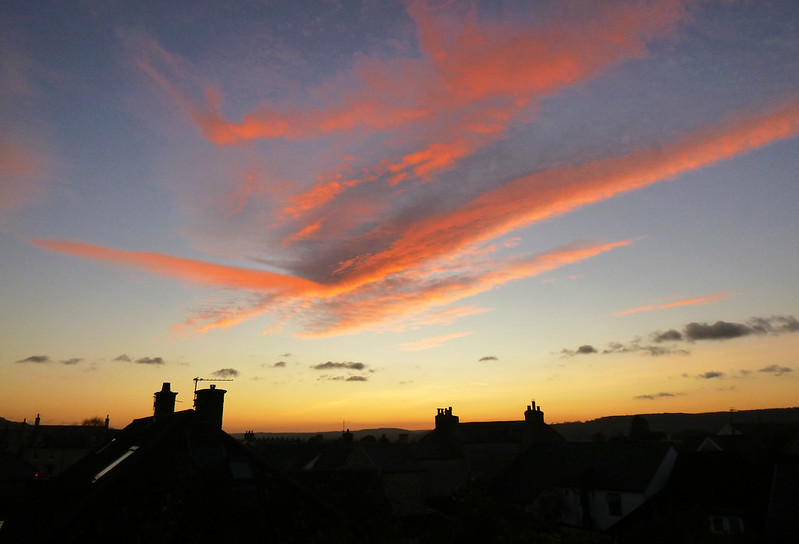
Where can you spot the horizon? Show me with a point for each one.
(363, 212)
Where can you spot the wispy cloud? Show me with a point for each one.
(694, 332)
(225, 373)
(776, 370)
(381, 237)
(428, 343)
(38, 359)
(150, 361)
(709, 375)
(697, 301)
(329, 365)
(488, 358)
(655, 396)
(72, 361)
(124, 358)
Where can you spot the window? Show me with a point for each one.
(614, 504)
(115, 463)
(726, 525)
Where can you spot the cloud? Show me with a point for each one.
(150, 361)
(654, 396)
(670, 335)
(225, 373)
(697, 301)
(428, 343)
(692, 332)
(72, 361)
(334, 365)
(279, 364)
(376, 229)
(711, 374)
(489, 358)
(38, 359)
(720, 330)
(585, 349)
(123, 358)
(472, 72)
(344, 378)
(776, 370)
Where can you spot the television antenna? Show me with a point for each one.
(198, 379)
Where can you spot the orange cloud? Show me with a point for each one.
(554, 192)
(187, 269)
(441, 258)
(697, 301)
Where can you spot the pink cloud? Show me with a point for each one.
(696, 301)
(434, 342)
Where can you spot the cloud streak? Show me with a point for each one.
(697, 301)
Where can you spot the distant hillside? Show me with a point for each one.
(710, 422)
(609, 426)
(391, 433)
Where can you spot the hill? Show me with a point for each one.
(608, 426)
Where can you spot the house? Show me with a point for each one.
(50, 449)
(585, 484)
(456, 452)
(174, 477)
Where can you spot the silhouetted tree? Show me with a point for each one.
(639, 429)
(93, 422)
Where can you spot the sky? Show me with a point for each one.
(358, 212)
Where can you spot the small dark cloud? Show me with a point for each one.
(582, 350)
(744, 372)
(150, 361)
(123, 358)
(720, 330)
(777, 370)
(670, 335)
(654, 396)
(72, 361)
(346, 365)
(225, 373)
(279, 364)
(489, 358)
(344, 378)
(657, 351)
(711, 374)
(723, 330)
(285, 354)
(618, 347)
(38, 359)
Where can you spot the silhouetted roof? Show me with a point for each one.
(173, 479)
(608, 466)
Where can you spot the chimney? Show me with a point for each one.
(209, 405)
(164, 403)
(533, 414)
(445, 419)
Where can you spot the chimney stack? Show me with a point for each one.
(164, 403)
(209, 405)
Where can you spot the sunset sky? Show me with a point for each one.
(361, 211)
